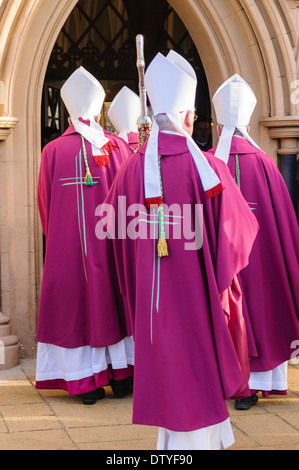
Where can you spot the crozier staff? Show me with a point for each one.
(144, 121)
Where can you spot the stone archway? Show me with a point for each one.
(249, 37)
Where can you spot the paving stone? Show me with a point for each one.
(105, 412)
(108, 434)
(267, 429)
(290, 417)
(30, 417)
(3, 428)
(51, 420)
(37, 440)
(136, 445)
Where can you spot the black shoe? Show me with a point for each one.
(90, 398)
(246, 403)
(122, 388)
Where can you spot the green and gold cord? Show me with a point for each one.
(238, 171)
(88, 178)
(162, 243)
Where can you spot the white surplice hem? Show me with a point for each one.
(276, 379)
(210, 438)
(54, 362)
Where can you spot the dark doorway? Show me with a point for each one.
(100, 35)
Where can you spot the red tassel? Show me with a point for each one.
(107, 149)
(215, 191)
(153, 202)
(101, 160)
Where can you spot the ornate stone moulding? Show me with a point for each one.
(285, 129)
(7, 124)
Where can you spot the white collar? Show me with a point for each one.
(93, 134)
(225, 141)
(210, 181)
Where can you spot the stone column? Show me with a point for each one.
(9, 343)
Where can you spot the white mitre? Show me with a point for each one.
(171, 85)
(83, 96)
(124, 112)
(234, 104)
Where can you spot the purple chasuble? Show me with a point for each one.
(270, 283)
(80, 304)
(181, 332)
(133, 140)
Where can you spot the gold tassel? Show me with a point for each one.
(162, 243)
(162, 247)
(88, 179)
